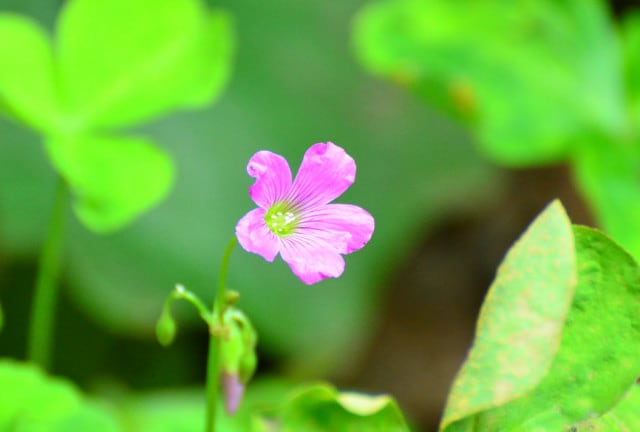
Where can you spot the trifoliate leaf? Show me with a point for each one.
(123, 61)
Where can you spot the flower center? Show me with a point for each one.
(281, 220)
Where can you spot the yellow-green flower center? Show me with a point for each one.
(281, 219)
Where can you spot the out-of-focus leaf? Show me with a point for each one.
(117, 63)
(631, 43)
(34, 402)
(125, 61)
(184, 410)
(114, 179)
(532, 77)
(321, 408)
(27, 86)
(608, 177)
(24, 172)
(623, 418)
(597, 360)
(521, 320)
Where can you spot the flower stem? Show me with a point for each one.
(213, 360)
(44, 302)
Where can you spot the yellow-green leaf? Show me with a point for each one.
(521, 321)
(126, 61)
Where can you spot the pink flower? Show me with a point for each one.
(295, 219)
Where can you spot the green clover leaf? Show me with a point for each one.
(116, 64)
(167, 55)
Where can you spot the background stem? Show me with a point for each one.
(213, 359)
(44, 300)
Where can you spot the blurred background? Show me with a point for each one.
(401, 318)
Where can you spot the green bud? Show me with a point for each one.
(166, 328)
(231, 297)
(248, 364)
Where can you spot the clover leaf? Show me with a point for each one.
(112, 64)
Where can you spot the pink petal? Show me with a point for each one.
(255, 236)
(325, 173)
(273, 178)
(311, 257)
(347, 227)
(233, 391)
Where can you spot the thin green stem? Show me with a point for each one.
(213, 359)
(180, 293)
(46, 291)
(213, 382)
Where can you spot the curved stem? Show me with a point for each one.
(46, 292)
(213, 358)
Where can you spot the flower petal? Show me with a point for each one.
(255, 236)
(311, 257)
(273, 178)
(325, 173)
(347, 227)
(233, 391)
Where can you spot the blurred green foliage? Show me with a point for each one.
(271, 405)
(321, 408)
(538, 81)
(511, 381)
(294, 84)
(37, 403)
(183, 410)
(114, 64)
(32, 402)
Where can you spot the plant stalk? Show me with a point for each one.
(213, 358)
(46, 290)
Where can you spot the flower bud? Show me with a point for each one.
(231, 297)
(166, 328)
(238, 358)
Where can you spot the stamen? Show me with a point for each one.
(281, 220)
